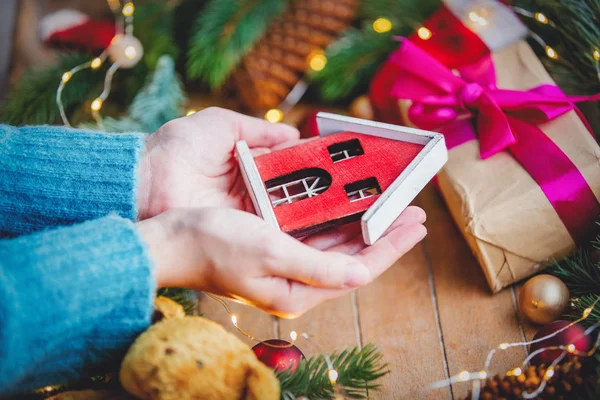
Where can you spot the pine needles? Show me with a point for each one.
(358, 370)
(32, 100)
(225, 32)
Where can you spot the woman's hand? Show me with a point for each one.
(189, 162)
(237, 255)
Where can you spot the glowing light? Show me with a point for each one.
(274, 115)
(596, 55)
(128, 9)
(293, 335)
(517, 372)
(503, 346)
(587, 312)
(190, 112)
(463, 376)
(48, 389)
(482, 375)
(96, 63)
(478, 18)
(549, 373)
(333, 376)
(541, 18)
(66, 77)
(317, 62)
(234, 319)
(424, 33)
(96, 105)
(571, 348)
(550, 52)
(130, 52)
(381, 25)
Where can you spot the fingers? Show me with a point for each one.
(255, 131)
(381, 255)
(333, 237)
(291, 259)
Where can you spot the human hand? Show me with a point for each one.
(236, 254)
(189, 162)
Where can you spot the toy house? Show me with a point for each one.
(357, 169)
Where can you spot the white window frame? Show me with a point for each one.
(310, 190)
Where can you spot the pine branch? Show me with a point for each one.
(159, 101)
(32, 101)
(154, 28)
(358, 372)
(579, 273)
(186, 297)
(579, 304)
(224, 33)
(354, 59)
(578, 35)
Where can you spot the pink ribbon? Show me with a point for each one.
(500, 119)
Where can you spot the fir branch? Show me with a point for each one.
(32, 101)
(578, 35)
(224, 33)
(159, 101)
(186, 297)
(579, 273)
(351, 62)
(358, 370)
(578, 305)
(153, 26)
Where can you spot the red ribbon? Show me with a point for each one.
(500, 119)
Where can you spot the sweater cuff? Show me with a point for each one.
(71, 299)
(52, 176)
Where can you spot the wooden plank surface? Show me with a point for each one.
(431, 314)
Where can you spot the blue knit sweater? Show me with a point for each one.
(76, 283)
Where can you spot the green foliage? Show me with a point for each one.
(576, 37)
(354, 59)
(32, 101)
(224, 32)
(358, 370)
(186, 297)
(153, 26)
(158, 102)
(581, 273)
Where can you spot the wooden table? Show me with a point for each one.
(431, 314)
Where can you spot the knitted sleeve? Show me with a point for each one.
(52, 176)
(70, 298)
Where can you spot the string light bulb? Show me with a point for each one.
(382, 25)
(482, 375)
(190, 112)
(541, 18)
(550, 52)
(317, 61)
(503, 346)
(571, 348)
(333, 376)
(463, 376)
(293, 335)
(596, 55)
(96, 63)
(549, 373)
(424, 33)
(587, 312)
(66, 76)
(517, 372)
(96, 104)
(234, 320)
(128, 9)
(130, 52)
(274, 115)
(478, 18)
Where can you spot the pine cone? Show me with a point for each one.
(568, 382)
(277, 62)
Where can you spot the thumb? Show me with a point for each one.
(292, 259)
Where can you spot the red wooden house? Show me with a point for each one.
(356, 169)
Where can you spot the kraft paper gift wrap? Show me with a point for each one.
(505, 217)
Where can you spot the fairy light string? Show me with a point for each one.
(124, 50)
(332, 373)
(477, 377)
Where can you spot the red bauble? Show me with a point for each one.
(278, 354)
(573, 335)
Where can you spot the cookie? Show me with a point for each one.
(194, 358)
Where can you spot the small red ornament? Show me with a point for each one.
(573, 335)
(278, 354)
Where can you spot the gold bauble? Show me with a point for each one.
(543, 299)
(361, 107)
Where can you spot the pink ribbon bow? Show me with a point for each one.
(500, 119)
